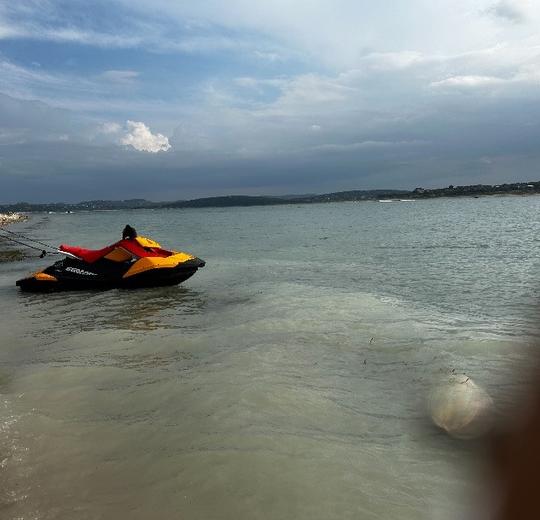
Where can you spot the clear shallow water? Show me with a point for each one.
(284, 380)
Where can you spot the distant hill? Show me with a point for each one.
(476, 190)
(229, 200)
(518, 188)
(244, 200)
(354, 195)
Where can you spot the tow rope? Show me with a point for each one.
(23, 241)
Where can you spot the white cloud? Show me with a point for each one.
(34, 82)
(382, 61)
(120, 76)
(68, 35)
(9, 32)
(135, 31)
(142, 139)
(313, 91)
(528, 74)
(338, 34)
(87, 37)
(385, 103)
(468, 81)
(110, 128)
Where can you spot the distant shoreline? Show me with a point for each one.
(477, 190)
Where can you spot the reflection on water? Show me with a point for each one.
(118, 309)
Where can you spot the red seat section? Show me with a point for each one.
(88, 255)
(135, 248)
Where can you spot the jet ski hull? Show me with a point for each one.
(75, 275)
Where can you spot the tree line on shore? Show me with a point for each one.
(476, 190)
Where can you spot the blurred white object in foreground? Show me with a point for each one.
(461, 408)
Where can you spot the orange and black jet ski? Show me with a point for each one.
(132, 262)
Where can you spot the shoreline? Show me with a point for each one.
(11, 218)
(255, 201)
(7, 253)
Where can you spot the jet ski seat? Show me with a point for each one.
(87, 255)
(131, 246)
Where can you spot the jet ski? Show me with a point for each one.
(132, 262)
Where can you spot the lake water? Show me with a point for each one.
(285, 380)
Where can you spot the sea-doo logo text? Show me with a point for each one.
(80, 271)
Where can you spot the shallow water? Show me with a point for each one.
(284, 380)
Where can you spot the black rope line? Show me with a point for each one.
(28, 239)
(42, 251)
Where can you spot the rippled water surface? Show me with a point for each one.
(285, 380)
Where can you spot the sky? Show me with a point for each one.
(169, 100)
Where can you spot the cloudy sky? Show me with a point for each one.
(166, 100)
